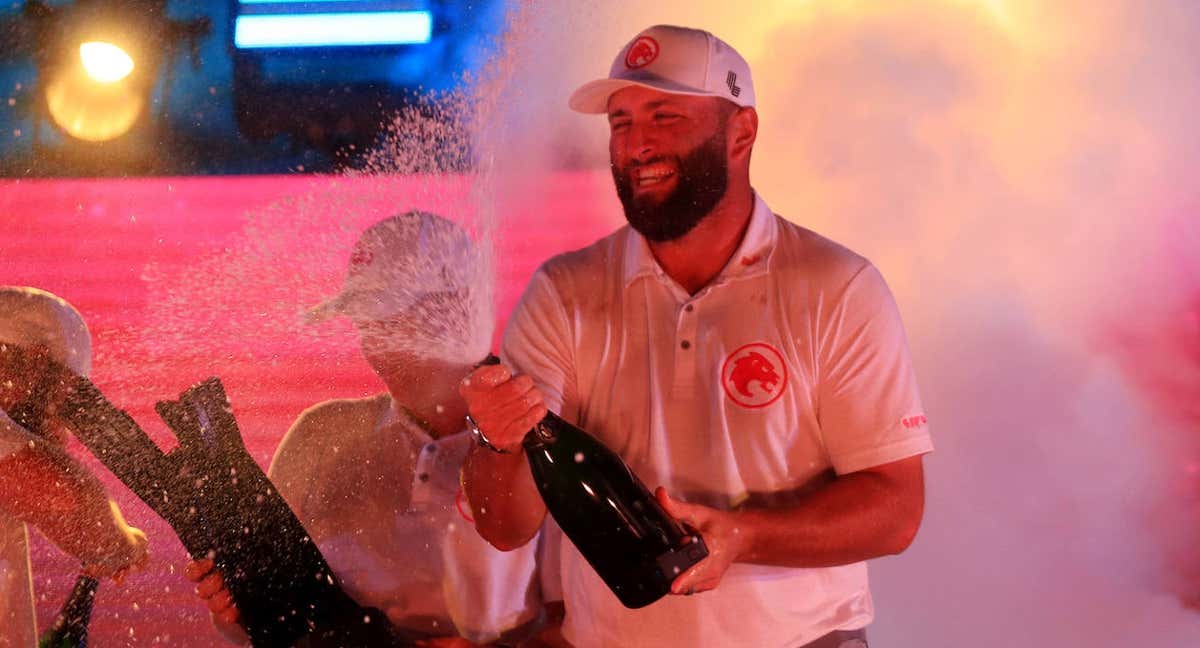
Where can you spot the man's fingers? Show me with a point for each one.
(229, 615)
(681, 511)
(518, 428)
(694, 580)
(485, 378)
(196, 570)
(211, 584)
(220, 601)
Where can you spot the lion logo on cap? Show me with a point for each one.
(754, 375)
(642, 53)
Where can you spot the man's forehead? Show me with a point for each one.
(642, 98)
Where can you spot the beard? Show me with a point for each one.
(701, 178)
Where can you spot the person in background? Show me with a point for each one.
(375, 480)
(755, 370)
(40, 484)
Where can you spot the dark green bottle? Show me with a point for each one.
(70, 628)
(608, 513)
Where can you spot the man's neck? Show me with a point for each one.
(698, 257)
(432, 399)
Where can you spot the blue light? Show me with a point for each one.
(333, 29)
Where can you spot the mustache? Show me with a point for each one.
(628, 169)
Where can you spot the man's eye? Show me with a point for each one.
(666, 117)
(619, 125)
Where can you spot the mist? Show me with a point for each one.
(1023, 175)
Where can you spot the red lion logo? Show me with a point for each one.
(642, 53)
(750, 368)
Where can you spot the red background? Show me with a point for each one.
(182, 278)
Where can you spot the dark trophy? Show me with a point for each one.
(222, 506)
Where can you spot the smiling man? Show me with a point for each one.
(750, 367)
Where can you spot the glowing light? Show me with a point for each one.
(105, 62)
(92, 111)
(333, 29)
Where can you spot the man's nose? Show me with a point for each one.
(642, 143)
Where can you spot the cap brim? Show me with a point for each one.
(592, 97)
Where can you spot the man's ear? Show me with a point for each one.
(742, 131)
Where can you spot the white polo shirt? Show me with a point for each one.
(382, 500)
(789, 368)
(18, 622)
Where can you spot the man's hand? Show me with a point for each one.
(504, 501)
(724, 539)
(210, 586)
(504, 406)
(129, 552)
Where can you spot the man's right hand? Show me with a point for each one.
(504, 406)
(128, 550)
(210, 586)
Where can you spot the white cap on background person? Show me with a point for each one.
(678, 60)
(30, 317)
(398, 261)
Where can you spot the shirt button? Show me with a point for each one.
(689, 308)
(685, 345)
(424, 477)
(430, 448)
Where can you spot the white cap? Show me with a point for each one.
(30, 317)
(398, 261)
(678, 60)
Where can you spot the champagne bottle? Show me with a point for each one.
(71, 626)
(607, 512)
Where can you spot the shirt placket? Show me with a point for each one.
(422, 491)
(687, 317)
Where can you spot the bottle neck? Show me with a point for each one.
(545, 431)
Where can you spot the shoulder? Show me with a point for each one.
(327, 424)
(569, 278)
(587, 264)
(350, 411)
(801, 252)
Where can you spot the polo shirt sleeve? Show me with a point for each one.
(537, 342)
(13, 436)
(868, 405)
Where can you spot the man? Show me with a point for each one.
(753, 369)
(40, 484)
(375, 481)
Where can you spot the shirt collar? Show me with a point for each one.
(750, 259)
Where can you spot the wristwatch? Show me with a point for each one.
(480, 438)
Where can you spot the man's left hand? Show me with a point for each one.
(721, 534)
